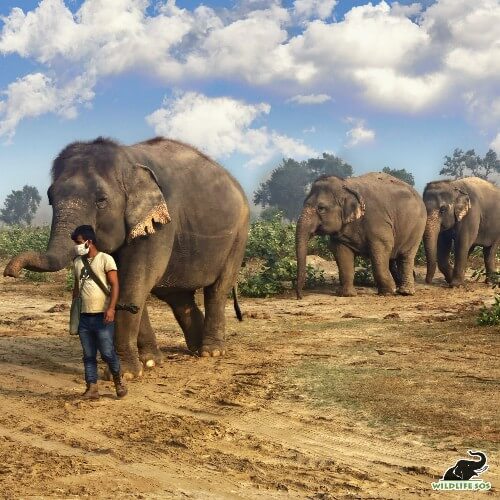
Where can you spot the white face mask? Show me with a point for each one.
(82, 249)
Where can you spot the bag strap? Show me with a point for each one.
(94, 276)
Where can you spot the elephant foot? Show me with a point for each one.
(212, 350)
(193, 342)
(130, 370)
(347, 292)
(386, 291)
(456, 283)
(406, 290)
(151, 358)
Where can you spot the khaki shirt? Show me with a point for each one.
(93, 298)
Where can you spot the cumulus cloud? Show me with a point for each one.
(36, 94)
(358, 134)
(222, 126)
(396, 57)
(495, 143)
(310, 99)
(307, 9)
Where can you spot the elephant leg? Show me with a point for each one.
(462, 246)
(216, 295)
(444, 245)
(395, 269)
(406, 264)
(141, 262)
(380, 256)
(189, 317)
(489, 254)
(149, 354)
(345, 262)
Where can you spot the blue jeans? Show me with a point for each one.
(95, 334)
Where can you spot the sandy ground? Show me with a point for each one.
(324, 398)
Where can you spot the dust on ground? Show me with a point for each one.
(324, 398)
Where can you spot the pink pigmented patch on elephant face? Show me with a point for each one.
(159, 214)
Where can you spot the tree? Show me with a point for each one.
(286, 189)
(401, 174)
(490, 164)
(20, 206)
(462, 164)
(329, 165)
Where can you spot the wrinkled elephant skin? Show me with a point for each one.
(174, 220)
(461, 214)
(373, 215)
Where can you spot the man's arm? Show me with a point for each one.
(112, 277)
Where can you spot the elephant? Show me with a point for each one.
(174, 220)
(462, 213)
(464, 470)
(374, 215)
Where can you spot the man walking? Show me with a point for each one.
(95, 273)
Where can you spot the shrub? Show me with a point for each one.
(489, 316)
(16, 239)
(363, 274)
(36, 277)
(271, 243)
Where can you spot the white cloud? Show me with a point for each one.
(402, 58)
(495, 143)
(222, 126)
(36, 94)
(309, 130)
(308, 9)
(310, 99)
(358, 134)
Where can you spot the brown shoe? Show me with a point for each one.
(121, 389)
(92, 392)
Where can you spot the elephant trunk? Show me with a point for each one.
(306, 226)
(60, 247)
(480, 464)
(430, 244)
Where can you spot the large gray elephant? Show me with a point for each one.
(373, 215)
(463, 213)
(197, 242)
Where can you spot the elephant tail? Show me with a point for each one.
(236, 305)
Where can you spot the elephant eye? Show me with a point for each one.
(101, 202)
(321, 208)
(443, 209)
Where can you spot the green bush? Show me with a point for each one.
(363, 274)
(271, 243)
(489, 316)
(70, 279)
(16, 239)
(36, 277)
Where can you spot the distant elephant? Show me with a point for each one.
(464, 213)
(374, 215)
(464, 470)
(197, 242)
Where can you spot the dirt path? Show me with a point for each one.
(366, 397)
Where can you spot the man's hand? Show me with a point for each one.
(109, 315)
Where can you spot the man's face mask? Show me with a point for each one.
(82, 249)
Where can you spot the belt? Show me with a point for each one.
(91, 314)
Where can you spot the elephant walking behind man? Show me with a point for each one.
(174, 220)
(374, 215)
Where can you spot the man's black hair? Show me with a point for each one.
(86, 232)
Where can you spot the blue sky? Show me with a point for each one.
(396, 84)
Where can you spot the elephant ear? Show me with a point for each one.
(462, 204)
(145, 202)
(354, 206)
